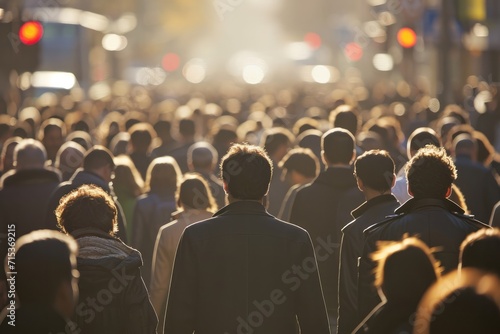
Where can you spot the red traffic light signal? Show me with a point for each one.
(31, 32)
(407, 37)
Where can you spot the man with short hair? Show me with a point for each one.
(46, 284)
(437, 221)
(202, 158)
(244, 271)
(98, 169)
(324, 207)
(276, 142)
(187, 133)
(374, 172)
(300, 167)
(476, 182)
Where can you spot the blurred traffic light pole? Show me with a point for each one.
(445, 46)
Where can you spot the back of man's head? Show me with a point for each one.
(141, 136)
(465, 145)
(202, 156)
(419, 138)
(187, 128)
(481, 250)
(44, 260)
(338, 147)
(246, 171)
(376, 170)
(430, 173)
(29, 154)
(345, 117)
(276, 139)
(97, 157)
(302, 161)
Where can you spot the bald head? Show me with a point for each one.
(29, 154)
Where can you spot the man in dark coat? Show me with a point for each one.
(26, 189)
(477, 183)
(98, 169)
(45, 304)
(25, 194)
(440, 223)
(324, 207)
(244, 271)
(374, 172)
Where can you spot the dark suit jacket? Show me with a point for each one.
(323, 208)
(351, 250)
(244, 271)
(439, 223)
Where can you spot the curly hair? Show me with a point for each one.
(87, 206)
(247, 171)
(430, 173)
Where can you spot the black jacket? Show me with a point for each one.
(80, 178)
(351, 250)
(240, 271)
(37, 319)
(113, 297)
(479, 187)
(23, 203)
(323, 208)
(439, 223)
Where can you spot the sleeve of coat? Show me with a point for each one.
(368, 297)
(160, 275)
(182, 298)
(348, 286)
(311, 309)
(141, 317)
(297, 210)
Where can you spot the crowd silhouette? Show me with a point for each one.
(251, 210)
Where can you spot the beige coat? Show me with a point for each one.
(164, 255)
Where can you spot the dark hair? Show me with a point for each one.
(194, 193)
(87, 206)
(421, 137)
(80, 137)
(430, 173)
(481, 250)
(247, 171)
(202, 155)
(97, 157)
(405, 269)
(163, 128)
(275, 138)
(304, 124)
(301, 160)
(345, 117)
(44, 259)
(141, 136)
(49, 125)
(338, 146)
(187, 127)
(376, 169)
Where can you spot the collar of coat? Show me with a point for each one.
(371, 203)
(243, 207)
(415, 203)
(337, 177)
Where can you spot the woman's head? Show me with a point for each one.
(194, 193)
(127, 178)
(405, 269)
(87, 206)
(163, 176)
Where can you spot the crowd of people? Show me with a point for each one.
(248, 210)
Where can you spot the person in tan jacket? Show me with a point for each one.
(196, 203)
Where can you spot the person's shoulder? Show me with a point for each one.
(373, 229)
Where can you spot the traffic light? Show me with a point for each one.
(407, 37)
(20, 45)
